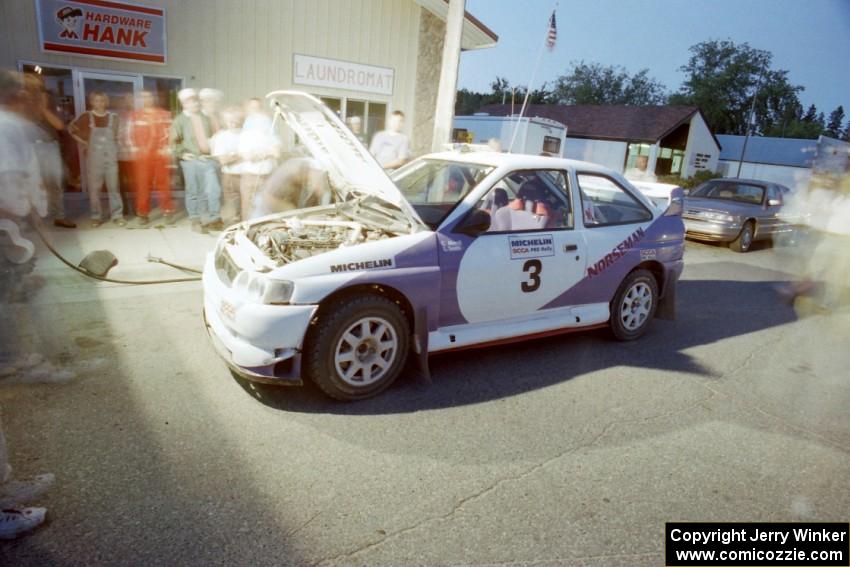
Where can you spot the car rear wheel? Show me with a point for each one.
(358, 348)
(634, 305)
(745, 238)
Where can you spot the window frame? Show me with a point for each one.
(568, 195)
(623, 188)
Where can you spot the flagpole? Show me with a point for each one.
(528, 89)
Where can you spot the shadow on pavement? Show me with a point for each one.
(708, 311)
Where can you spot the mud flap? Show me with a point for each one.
(667, 305)
(419, 340)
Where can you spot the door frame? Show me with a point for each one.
(80, 75)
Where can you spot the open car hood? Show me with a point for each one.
(351, 168)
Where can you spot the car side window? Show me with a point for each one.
(606, 202)
(529, 200)
(773, 192)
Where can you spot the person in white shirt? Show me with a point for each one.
(391, 147)
(259, 149)
(225, 148)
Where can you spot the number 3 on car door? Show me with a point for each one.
(533, 268)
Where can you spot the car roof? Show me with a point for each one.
(743, 180)
(517, 161)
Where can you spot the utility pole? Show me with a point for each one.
(444, 113)
(750, 123)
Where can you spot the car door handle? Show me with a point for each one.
(570, 247)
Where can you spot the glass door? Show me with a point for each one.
(122, 91)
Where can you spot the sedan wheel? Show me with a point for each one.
(744, 240)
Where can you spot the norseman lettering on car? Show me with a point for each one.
(345, 292)
(616, 253)
(357, 266)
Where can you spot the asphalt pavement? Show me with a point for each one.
(572, 450)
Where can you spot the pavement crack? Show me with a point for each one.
(463, 502)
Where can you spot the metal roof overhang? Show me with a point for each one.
(475, 34)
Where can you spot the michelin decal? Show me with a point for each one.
(532, 246)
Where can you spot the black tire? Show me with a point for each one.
(325, 339)
(745, 238)
(623, 326)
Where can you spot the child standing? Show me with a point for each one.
(97, 132)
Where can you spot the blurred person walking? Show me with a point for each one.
(190, 136)
(44, 133)
(148, 132)
(210, 104)
(391, 147)
(225, 148)
(21, 193)
(96, 130)
(259, 149)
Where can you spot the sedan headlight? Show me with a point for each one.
(720, 217)
(260, 287)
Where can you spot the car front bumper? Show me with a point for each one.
(258, 342)
(700, 229)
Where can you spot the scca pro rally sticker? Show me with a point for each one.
(532, 246)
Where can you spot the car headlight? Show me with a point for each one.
(259, 287)
(721, 217)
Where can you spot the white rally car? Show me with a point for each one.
(456, 250)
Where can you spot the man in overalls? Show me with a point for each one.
(191, 132)
(148, 133)
(97, 131)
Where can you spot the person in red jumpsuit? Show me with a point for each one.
(148, 131)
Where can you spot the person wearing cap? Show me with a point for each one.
(191, 132)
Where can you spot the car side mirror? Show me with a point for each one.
(676, 204)
(475, 223)
(773, 202)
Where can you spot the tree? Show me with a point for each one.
(836, 120)
(592, 83)
(722, 77)
(846, 137)
(501, 91)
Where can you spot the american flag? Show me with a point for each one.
(552, 35)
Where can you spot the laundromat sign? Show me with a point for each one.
(336, 74)
(102, 28)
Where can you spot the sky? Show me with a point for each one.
(809, 38)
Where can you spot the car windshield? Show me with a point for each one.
(730, 191)
(435, 187)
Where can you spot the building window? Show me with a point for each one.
(165, 91)
(372, 115)
(634, 151)
(552, 145)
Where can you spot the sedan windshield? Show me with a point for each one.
(435, 187)
(730, 191)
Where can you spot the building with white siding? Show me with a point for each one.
(365, 58)
(669, 140)
(782, 160)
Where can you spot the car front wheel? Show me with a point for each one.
(358, 348)
(745, 239)
(634, 305)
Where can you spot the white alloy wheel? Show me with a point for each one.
(365, 351)
(636, 306)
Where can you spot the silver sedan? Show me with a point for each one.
(737, 211)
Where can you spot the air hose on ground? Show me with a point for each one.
(37, 224)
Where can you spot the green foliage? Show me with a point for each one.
(687, 183)
(722, 77)
(600, 84)
(834, 126)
